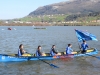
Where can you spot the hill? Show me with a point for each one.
(70, 13)
(69, 7)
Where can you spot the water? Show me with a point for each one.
(53, 35)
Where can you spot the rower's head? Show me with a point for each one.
(39, 47)
(53, 46)
(21, 46)
(69, 45)
(84, 41)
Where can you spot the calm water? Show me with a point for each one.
(58, 35)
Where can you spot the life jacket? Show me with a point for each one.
(68, 50)
(37, 53)
(84, 46)
(19, 52)
(52, 53)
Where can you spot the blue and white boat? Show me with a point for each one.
(32, 57)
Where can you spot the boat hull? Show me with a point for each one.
(8, 58)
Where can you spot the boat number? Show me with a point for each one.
(3, 57)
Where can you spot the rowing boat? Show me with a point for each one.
(27, 57)
(39, 28)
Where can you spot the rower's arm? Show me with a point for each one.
(54, 51)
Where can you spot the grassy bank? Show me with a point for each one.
(53, 20)
(44, 18)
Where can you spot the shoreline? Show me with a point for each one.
(50, 24)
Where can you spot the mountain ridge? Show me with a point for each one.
(68, 7)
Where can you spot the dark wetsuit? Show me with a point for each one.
(84, 47)
(38, 53)
(53, 52)
(20, 52)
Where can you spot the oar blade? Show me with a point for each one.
(49, 63)
(54, 65)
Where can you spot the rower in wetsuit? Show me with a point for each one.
(53, 52)
(38, 51)
(69, 50)
(84, 46)
(21, 51)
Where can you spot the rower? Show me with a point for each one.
(38, 51)
(69, 50)
(53, 52)
(21, 51)
(84, 46)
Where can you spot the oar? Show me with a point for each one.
(48, 63)
(94, 56)
(45, 62)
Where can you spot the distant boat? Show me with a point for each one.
(39, 28)
(9, 28)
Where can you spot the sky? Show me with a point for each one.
(10, 9)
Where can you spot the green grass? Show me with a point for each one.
(28, 19)
(89, 19)
(46, 18)
(58, 18)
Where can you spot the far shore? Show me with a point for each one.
(50, 24)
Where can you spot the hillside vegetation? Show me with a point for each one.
(69, 7)
(72, 12)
